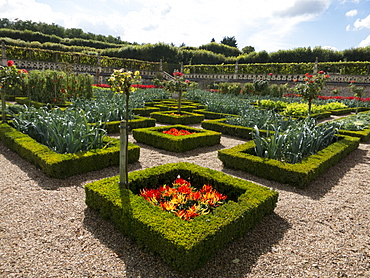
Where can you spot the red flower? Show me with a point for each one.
(177, 73)
(184, 201)
(271, 74)
(321, 72)
(176, 132)
(10, 63)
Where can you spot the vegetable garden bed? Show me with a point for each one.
(299, 174)
(64, 165)
(185, 245)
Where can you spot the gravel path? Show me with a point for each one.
(46, 230)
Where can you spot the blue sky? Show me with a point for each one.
(264, 24)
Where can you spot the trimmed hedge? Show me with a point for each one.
(186, 118)
(342, 111)
(173, 107)
(364, 135)
(185, 245)
(138, 122)
(213, 115)
(36, 104)
(153, 136)
(145, 111)
(242, 157)
(219, 125)
(57, 165)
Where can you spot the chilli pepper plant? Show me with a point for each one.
(176, 132)
(185, 201)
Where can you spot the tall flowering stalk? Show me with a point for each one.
(121, 82)
(178, 85)
(9, 76)
(312, 86)
(357, 91)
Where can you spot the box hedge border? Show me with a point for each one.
(154, 137)
(242, 157)
(145, 111)
(213, 115)
(57, 165)
(219, 125)
(167, 118)
(184, 245)
(138, 122)
(173, 106)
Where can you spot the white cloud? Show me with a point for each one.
(351, 13)
(28, 9)
(365, 42)
(265, 24)
(330, 48)
(362, 23)
(348, 28)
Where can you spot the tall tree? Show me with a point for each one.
(248, 49)
(230, 41)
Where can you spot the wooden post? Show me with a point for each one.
(3, 54)
(123, 154)
(3, 104)
(123, 168)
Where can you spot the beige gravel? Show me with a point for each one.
(46, 230)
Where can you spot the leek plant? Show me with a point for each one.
(299, 140)
(65, 131)
(264, 119)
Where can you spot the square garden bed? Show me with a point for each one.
(242, 157)
(173, 117)
(185, 245)
(154, 136)
(57, 165)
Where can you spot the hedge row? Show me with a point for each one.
(185, 245)
(64, 165)
(154, 136)
(242, 157)
(172, 117)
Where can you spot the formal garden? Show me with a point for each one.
(65, 125)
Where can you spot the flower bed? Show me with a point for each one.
(172, 117)
(154, 136)
(299, 174)
(64, 165)
(185, 245)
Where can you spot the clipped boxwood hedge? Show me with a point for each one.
(342, 111)
(26, 101)
(64, 165)
(153, 136)
(138, 122)
(227, 129)
(185, 245)
(185, 118)
(145, 111)
(213, 115)
(242, 157)
(364, 135)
